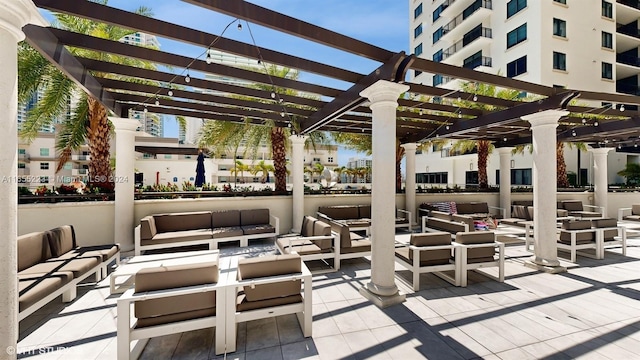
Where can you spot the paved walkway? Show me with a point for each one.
(590, 312)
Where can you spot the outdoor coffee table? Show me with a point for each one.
(136, 263)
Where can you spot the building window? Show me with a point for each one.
(44, 166)
(518, 177)
(473, 61)
(417, 11)
(437, 57)
(22, 166)
(437, 79)
(418, 50)
(607, 9)
(432, 178)
(607, 40)
(559, 27)
(514, 6)
(417, 31)
(44, 179)
(416, 73)
(438, 11)
(147, 156)
(188, 157)
(167, 156)
(22, 151)
(561, 1)
(517, 67)
(559, 61)
(607, 71)
(330, 159)
(68, 166)
(44, 151)
(517, 35)
(437, 35)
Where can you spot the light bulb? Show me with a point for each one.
(475, 97)
(282, 114)
(157, 102)
(447, 127)
(288, 125)
(170, 93)
(239, 26)
(573, 133)
(460, 115)
(622, 107)
(635, 145)
(187, 78)
(145, 109)
(595, 123)
(208, 59)
(619, 146)
(420, 111)
(281, 100)
(459, 98)
(584, 121)
(273, 95)
(504, 139)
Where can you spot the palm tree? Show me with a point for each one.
(318, 169)
(239, 167)
(631, 171)
(339, 171)
(88, 122)
(264, 168)
(220, 133)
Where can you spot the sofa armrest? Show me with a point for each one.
(622, 212)
(136, 240)
(406, 214)
(302, 239)
(322, 216)
(501, 211)
(130, 296)
(275, 222)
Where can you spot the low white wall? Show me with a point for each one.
(617, 200)
(92, 221)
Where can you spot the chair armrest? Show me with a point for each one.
(304, 275)
(275, 222)
(302, 239)
(501, 211)
(622, 212)
(407, 215)
(598, 209)
(130, 296)
(323, 216)
(434, 247)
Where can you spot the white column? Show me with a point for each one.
(14, 14)
(382, 289)
(410, 182)
(543, 127)
(125, 181)
(601, 183)
(505, 180)
(297, 178)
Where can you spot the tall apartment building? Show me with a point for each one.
(580, 44)
(23, 112)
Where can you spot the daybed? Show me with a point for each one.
(50, 264)
(315, 241)
(163, 231)
(429, 253)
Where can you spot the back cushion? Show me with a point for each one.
(480, 208)
(147, 227)
(464, 208)
(576, 225)
(62, 240)
(33, 248)
(440, 215)
(227, 218)
(322, 229)
(252, 268)
(572, 205)
(603, 223)
(343, 231)
(477, 237)
(529, 212)
(183, 221)
(254, 217)
(346, 212)
(431, 239)
(364, 211)
(465, 220)
(635, 209)
(307, 226)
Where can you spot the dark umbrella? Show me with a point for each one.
(200, 170)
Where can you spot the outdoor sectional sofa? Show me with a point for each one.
(164, 231)
(451, 223)
(50, 264)
(314, 242)
(358, 217)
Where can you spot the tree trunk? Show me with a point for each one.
(483, 155)
(563, 180)
(399, 155)
(98, 135)
(279, 158)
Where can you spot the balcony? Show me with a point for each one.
(628, 60)
(629, 30)
(628, 89)
(79, 157)
(79, 172)
(472, 42)
(455, 7)
(481, 61)
(630, 3)
(465, 21)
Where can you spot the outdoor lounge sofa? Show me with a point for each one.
(164, 231)
(474, 210)
(358, 217)
(578, 235)
(451, 223)
(429, 253)
(630, 214)
(171, 299)
(577, 209)
(315, 241)
(351, 245)
(50, 264)
(478, 250)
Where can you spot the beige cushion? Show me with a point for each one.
(245, 305)
(61, 240)
(561, 212)
(321, 228)
(340, 212)
(183, 221)
(635, 209)
(147, 227)
(252, 268)
(581, 237)
(307, 226)
(33, 248)
(254, 217)
(477, 237)
(443, 225)
(102, 252)
(343, 232)
(225, 232)
(464, 220)
(572, 205)
(464, 208)
(227, 218)
(177, 236)
(358, 244)
(364, 211)
(480, 207)
(258, 229)
(33, 290)
(78, 267)
(603, 223)
(431, 257)
(530, 212)
(300, 247)
(576, 225)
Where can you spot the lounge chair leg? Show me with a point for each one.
(416, 280)
(69, 295)
(123, 322)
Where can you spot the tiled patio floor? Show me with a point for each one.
(590, 312)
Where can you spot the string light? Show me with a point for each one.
(282, 114)
(584, 121)
(239, 27)
(170, 93)
(281, 100)
(145, 109)
(420, 111)
(187, 78)
(621, 107)
(157, 102)
(447, 127)
(573, 133)
(595, 123)
(208, 59)
(475, 97)
(460, 114)
(273, 95)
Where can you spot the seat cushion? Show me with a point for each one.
(632, 217)
(364, 211)
(581, 237)
(179, 236)
(431, 239)
(576, 225)
(61, 240)
(604, 223)
(464, 208)
(254, 217)
(480, 207)
(307, 226)
(183, 221)
(635, 209)
(253, 268)
(102, 252)
(32, 290)
(174, 317)
(359, 244)
(300, 247)
(33, 248)
(245, 305)
(585, 214)
(78, 266)
(340, 212)
(225, 232)
(258, 229)
(477, 237)
(227, 218)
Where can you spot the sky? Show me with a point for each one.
(383, 23)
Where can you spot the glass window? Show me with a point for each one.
(330, 159)
(147, 156)
(607, 40)
(437, 12)
(561, 1)
(517, 67)
(432, 178)
(437, 57)
(418, 50)
(416, 72)
(517, 35)
(68, 166)
(514, 6)
(44, 179)
(559, 61)
(22, 166)
(44, 166)
(417, 31)
(167, 156)
(473, 61)
(437, 79)
(437, 35)
(607, 71)
(44, 151)
(607, 9)
(417, 11)
(22, 151)
(559, 27)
